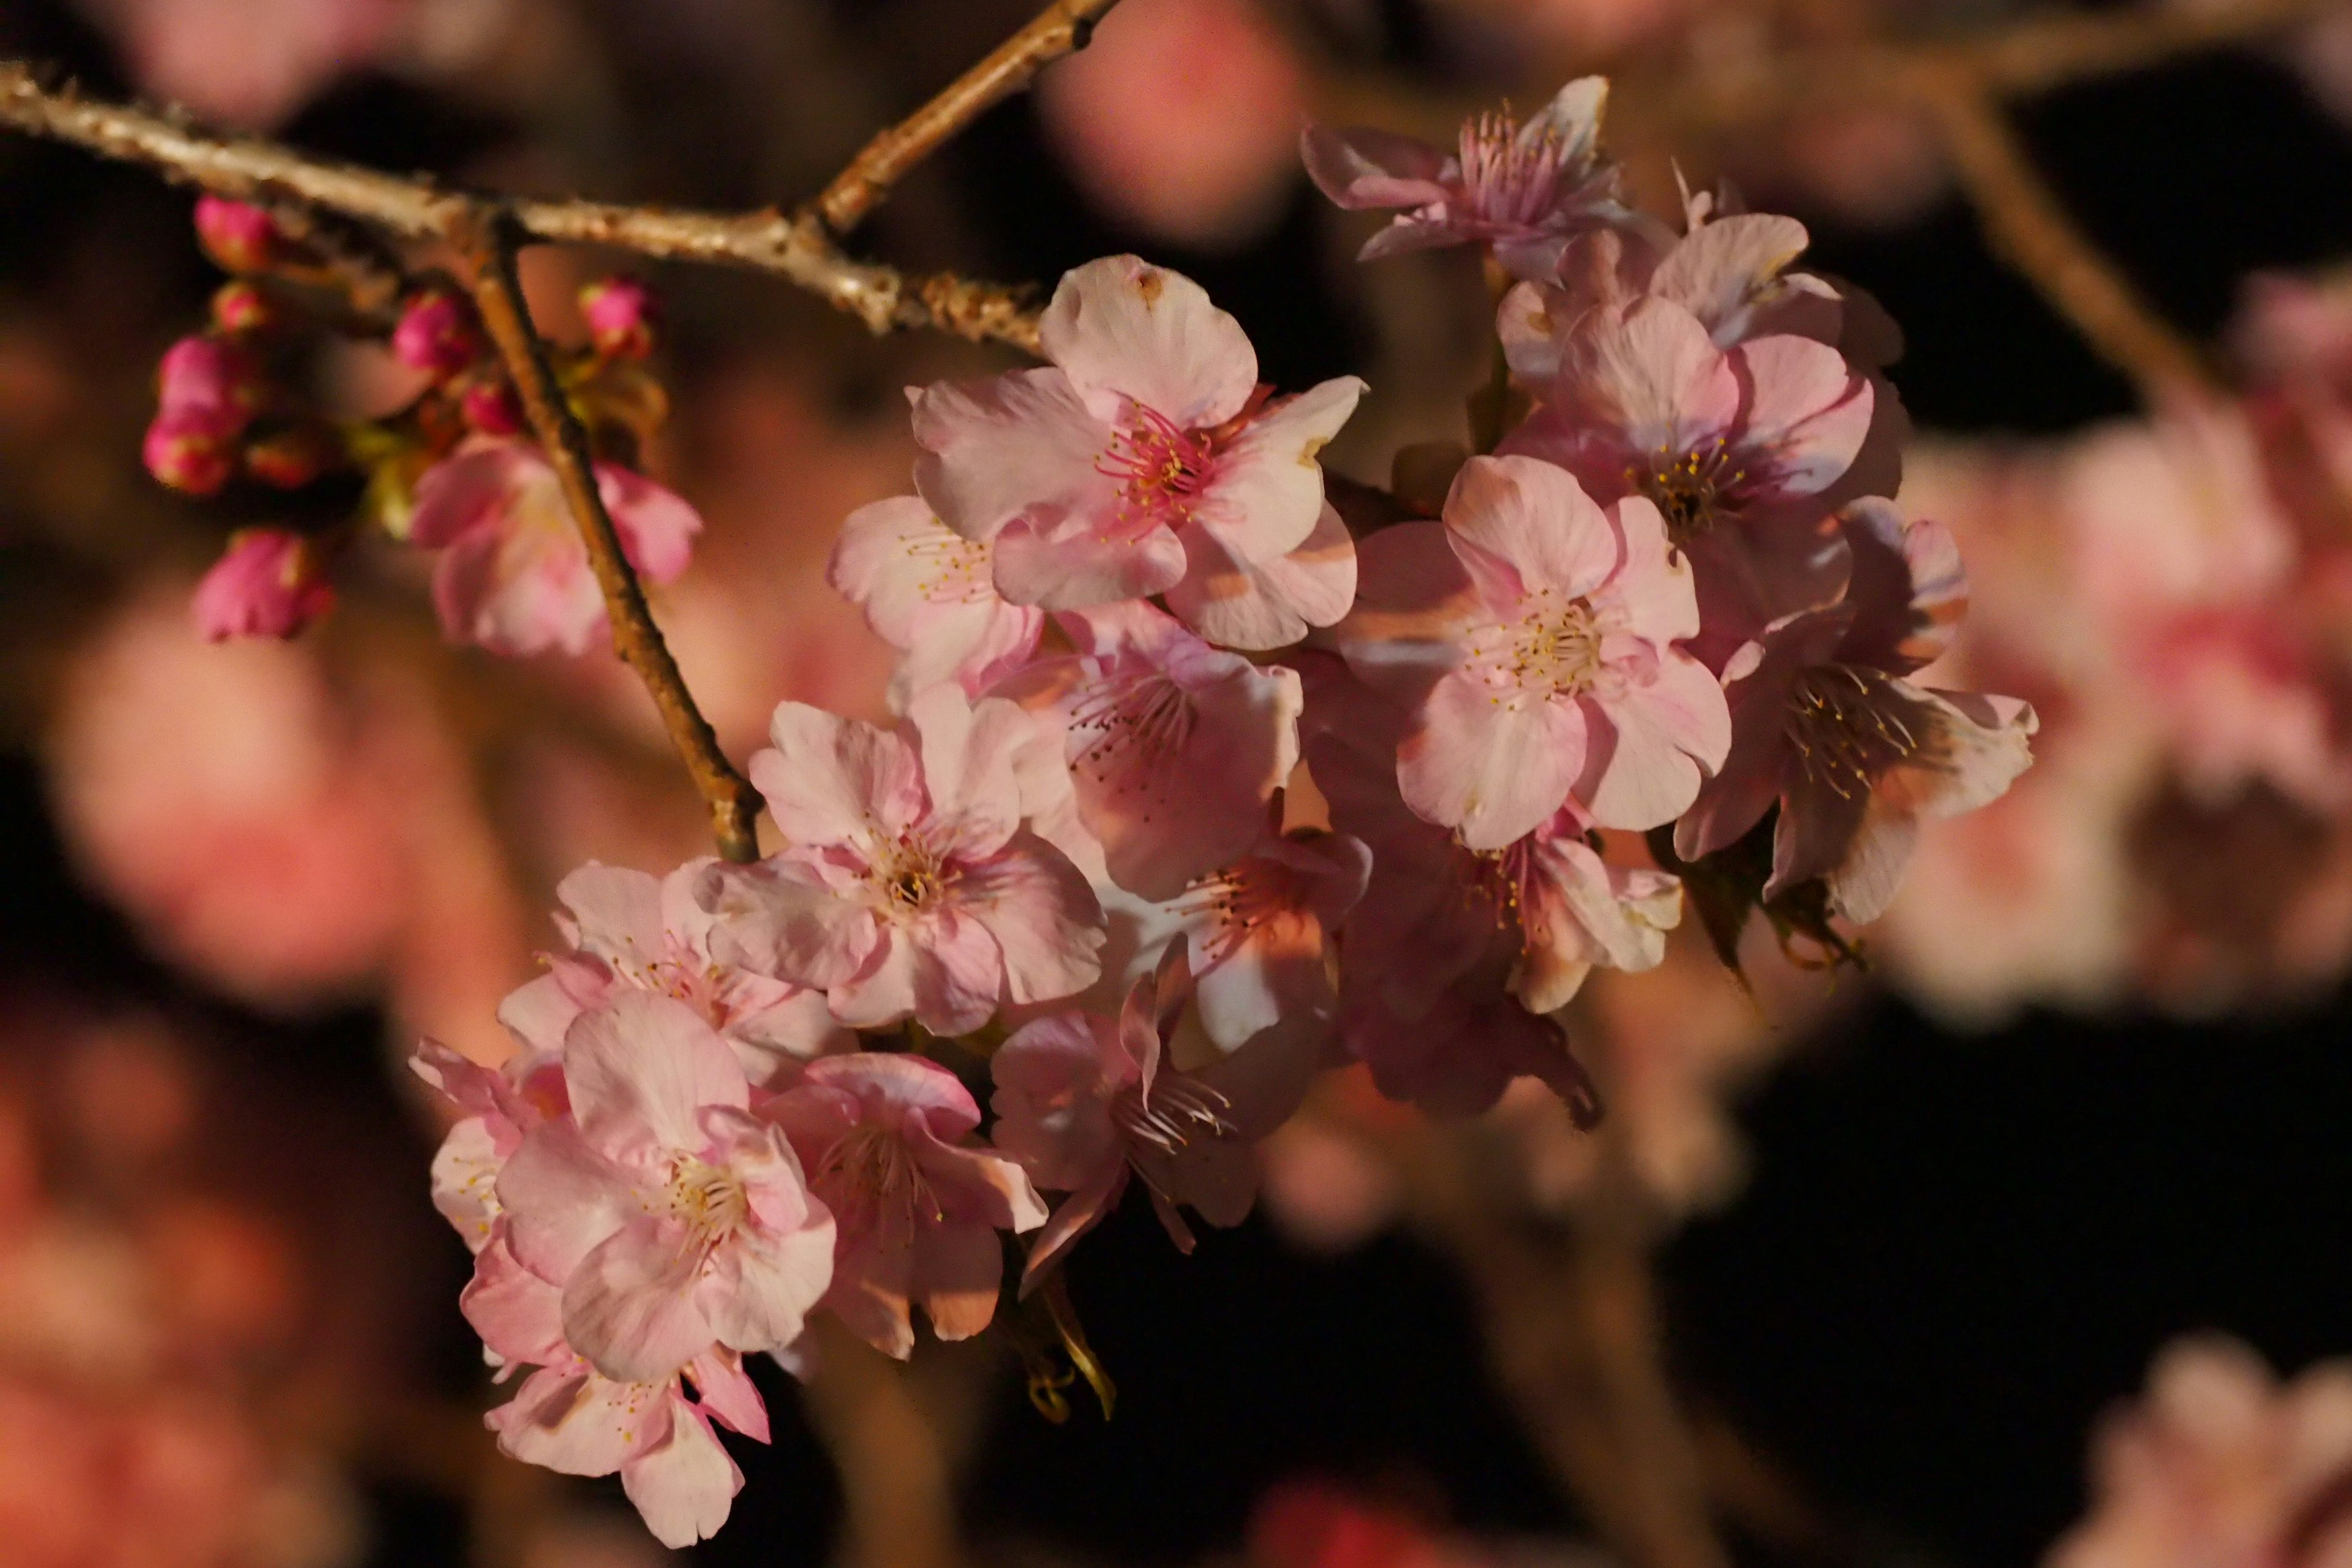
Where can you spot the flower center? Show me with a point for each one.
(1161, 469)
(1552, 650)
(1690, 488)
(1178, 1108)
(909, 876)
(1240, 900)
(955, 570)
(1506, 180)
(870, 1172)
(711, 1199)
(1142, 719)
(1847, 726)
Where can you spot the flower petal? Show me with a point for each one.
(1128, 332)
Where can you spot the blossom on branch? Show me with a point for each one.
(932, 593)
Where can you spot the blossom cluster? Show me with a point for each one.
(1198, 786)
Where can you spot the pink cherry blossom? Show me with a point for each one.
(1257, 935)
(630, 931)
(1175, 747)
(501, 1104)
(268, 582)
(1146, 459)
(2221, 1466)
(1084, 1102)
(932, 593)
(916, 1214)
(1522, 189)
(513, 576)
(912, 887)
(1534, 634)
(672, 1219)
(1824, 724)
(570, 1419)
(1741, 449)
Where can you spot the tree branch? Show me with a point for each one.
(796, 249)
(489, 237)
(1059, 29)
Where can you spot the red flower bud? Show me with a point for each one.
(210, 382)
(237, 236)
(241, 308)
(621, 316)
(437, 335)
(492, 408)
(268, 582)
(188, 454)
(292, 457)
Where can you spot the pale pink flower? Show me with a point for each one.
(1742, 449)
(1824, 724)
(268, 584)
(630, 931)
(671, 1219)
(932, 593)
(1534, 634)
(1175, 747)
(570, 1419)
(1257, 935)
(1145, 460)
(912, 887)
(1524, 190)
(2221, 1466)
(513, 576)
(1084, 1102)
(501, 1104)
(916, 1213)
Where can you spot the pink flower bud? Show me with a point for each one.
(292, 457)
(621, 314)
(437, 333)
(242, 307)
(268, 584)
(492, 408)
(189, 455)
(210, 382)
(237, 236)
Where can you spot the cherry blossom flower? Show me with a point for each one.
(672, 1220)
(513, 576)
(932, 593)
(1084, 1102)
(1175, 747)
(911, 887)
(501, 1104)
(2221, 1466)
(1824, 723)
(1523, 190)
(1256, 934)
(630, 931)
(1739, 448)
(1534, 634)
(268, 584)
(1146, 459)
(915, 1214)
(570, 1419)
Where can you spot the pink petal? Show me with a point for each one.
(995, 450)
(520, 585)
(1050, 1080)
(888, 557)
(830, 780)
(685, 1486)
(657, 528)
(1093, 568)
(468, 489)
(617, 912)
(1650, 373)
(765, 1283)
(779, 917)
(1078, 1213)
(568, 1420)
(959, 1270)
(1807, 413)
(518, 1315)
(641, 1069)
(725, 1391)
(1129, 332)
(631, 1308)
(1042, 915)
(968, 751)
(889, 1087)
(1715, 270)
(1656, 585)
(1236, 605)
(1264, 490)
(562, 1199)
(1537, 518)
(1360, 168)
(959, 972)
(1666, 735)
(1492, 765)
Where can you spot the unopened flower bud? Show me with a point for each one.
(189, 455)
(492, 408)
(209, 381)
(241, 308)
(292, 457)
(237, 234)
(437, 335)
(620, 313)
(268, 582)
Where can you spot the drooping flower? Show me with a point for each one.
(1084, 1102)
(1175, 747)
(570, 1419)
(513, 576)
(630, 931)
(1740, 449)
(1524, 190)
(1146, 459)
(912, 887)
(1533, 634)
(1824, 724)
(672, 1219)
(916, 1213)
(932, 593)
(268, 582)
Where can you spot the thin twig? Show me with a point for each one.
(796, 249)
(489, 237)
(1058, 30)
(2030, 229)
